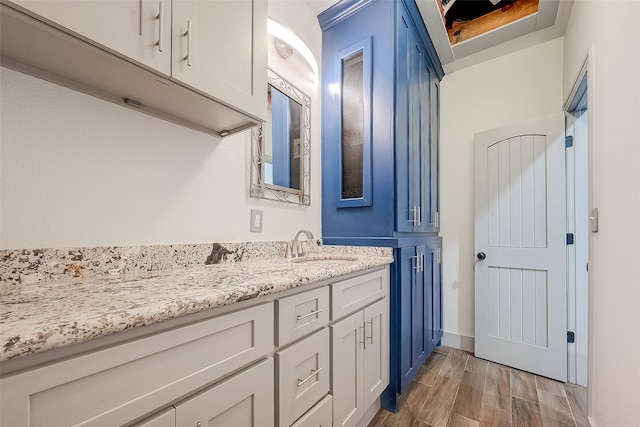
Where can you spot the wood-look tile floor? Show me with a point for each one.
(455, 389)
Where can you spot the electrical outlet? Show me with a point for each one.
(256, 221)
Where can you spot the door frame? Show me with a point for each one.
(577, 103)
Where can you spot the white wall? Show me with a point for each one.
(611, 29)
(504, 91)
(79, 171)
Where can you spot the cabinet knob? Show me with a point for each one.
(199, 424)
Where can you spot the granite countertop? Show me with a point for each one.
(48, 315)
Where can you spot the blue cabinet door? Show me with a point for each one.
(373, 213)
(435, 277)
(434, 170)
(414, 129)
(415, 313)
(405, 198)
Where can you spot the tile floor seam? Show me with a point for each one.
(573, 417)
(453, 402)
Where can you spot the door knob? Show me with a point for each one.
(481, 256)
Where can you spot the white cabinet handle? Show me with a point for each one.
(364, 337)
(419, 257)
(313, 374)
(187, 34)
(160, 19)
(304, 316)
(414, 212)
(417, 266)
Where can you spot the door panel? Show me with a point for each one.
(376, 352)
(198, 54)
(407, 369)
(521, 228)
(346, 374)
(129, 28)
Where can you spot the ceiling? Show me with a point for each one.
(547, 23)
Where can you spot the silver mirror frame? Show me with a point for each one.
(259, 189)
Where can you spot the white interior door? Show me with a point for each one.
(520, 246)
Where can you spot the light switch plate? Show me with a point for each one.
(256, 221)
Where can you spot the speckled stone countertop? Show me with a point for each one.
(49, 314)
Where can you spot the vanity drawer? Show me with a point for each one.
(303, 376)
(244, 400)
(301, 314)
(318, 416)
(353, 294)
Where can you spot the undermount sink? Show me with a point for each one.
(324, 259)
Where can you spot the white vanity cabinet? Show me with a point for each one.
(355, 346)
(297, 360)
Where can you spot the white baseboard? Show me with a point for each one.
(463, 342)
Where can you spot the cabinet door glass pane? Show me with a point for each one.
(352, 126)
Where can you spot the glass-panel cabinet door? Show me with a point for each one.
(352, 126)
(354, 69)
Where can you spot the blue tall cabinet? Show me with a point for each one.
(380, 118)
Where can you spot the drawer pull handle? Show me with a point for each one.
(304, 316)
(313, 374)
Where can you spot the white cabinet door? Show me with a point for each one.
(346, 377)
(376, 351)
(129, 28)
(245, 400)
(219, 49)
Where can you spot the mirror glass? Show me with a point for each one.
(280, 147)
(353, 126)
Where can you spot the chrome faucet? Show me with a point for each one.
(294, 249)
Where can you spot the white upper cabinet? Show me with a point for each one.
(219, 49)
(211, 55)
(139, 30)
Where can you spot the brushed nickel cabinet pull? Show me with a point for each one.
(187, 34)
(304, 316)
(160, 19)
(313, 374)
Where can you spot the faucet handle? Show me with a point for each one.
(288, 251)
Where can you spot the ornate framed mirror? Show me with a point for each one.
(280, 149)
